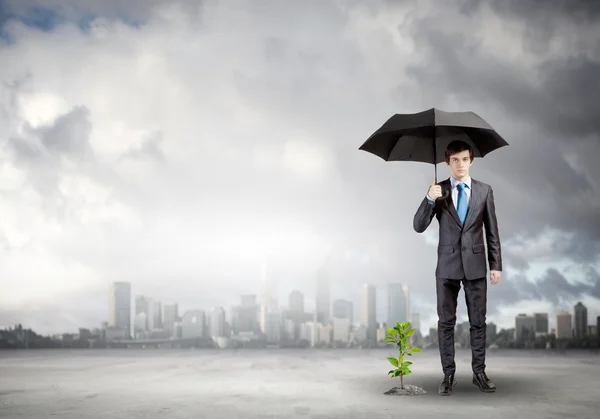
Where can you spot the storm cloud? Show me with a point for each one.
(187, 144)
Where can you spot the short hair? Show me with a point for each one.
(457, 146)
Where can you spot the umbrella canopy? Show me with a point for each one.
(424, 136)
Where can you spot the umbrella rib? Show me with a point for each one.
(396, 143)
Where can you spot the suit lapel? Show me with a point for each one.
(475, 196)
(447, 186)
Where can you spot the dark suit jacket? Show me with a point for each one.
(461, 250)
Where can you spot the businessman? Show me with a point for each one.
(462, 259)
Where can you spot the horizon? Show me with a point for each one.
(178, 145)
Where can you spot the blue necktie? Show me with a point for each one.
(463, 203)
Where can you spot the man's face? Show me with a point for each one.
(459, 164)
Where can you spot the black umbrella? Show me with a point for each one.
(423, 137)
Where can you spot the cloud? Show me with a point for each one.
(549, 94)
(186, 142)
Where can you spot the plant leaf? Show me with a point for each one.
(415, 349)
(410, 332)
(393, 361)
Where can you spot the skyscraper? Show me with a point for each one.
(296, 306)
(343, 309)
(158, 315)
(541, 323)
(368, 311)
(524, 328)
(141, 313)
(246, 316)
(193, 324)
(397, 304)
(216, 322)
(119, 307)
(581, 320)
(323, 302)
(171, 317)
(564, 328)
(268, 295)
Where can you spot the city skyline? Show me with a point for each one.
(191, 140)
(382, 299)
(576, 325)
(263, 322)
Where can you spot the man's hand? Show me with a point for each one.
(494, 277)
(435, 191)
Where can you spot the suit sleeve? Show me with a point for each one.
(424, 215)
(491, 233)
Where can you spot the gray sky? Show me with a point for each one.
(178, 146)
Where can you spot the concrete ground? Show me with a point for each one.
(288, 384)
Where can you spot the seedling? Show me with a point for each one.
(399, 335)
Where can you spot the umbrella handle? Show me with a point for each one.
(444, 196)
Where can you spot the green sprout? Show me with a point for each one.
(399, 335)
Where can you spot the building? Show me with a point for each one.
(157, 318)
(580, 328)
(140, 324)
(541, 323)
(272, 322)
(309, 331)
(341, 329)
(245, 317)
(171, 317)
(325, 334)
(119, 307)
(398, 310)
(296, 306)
(564, 328)
(193, 324)
(524, 328)
(141, 313)
(343, 309)
(216, 322)
(323, 300)
(268, 295)
(291, 329)
(368, 310)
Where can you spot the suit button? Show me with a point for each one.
(464, 248)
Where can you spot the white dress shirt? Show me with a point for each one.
(455, 182)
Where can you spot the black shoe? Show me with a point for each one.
(447, 385)
(482, 381)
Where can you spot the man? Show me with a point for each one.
(461, 258)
